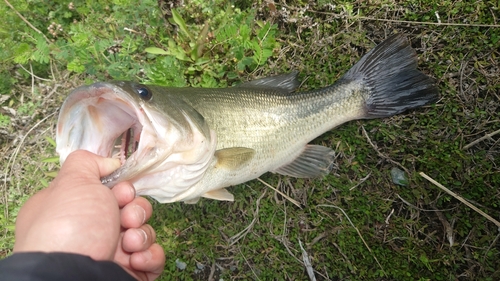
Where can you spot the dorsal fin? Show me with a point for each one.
(315, 161)
(283, 82)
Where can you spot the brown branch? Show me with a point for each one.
(497, 223)
(430, 23)
(408, 21)
(380, 154)
(487, 136)
(26, 21)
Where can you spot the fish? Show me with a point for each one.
(181, 144)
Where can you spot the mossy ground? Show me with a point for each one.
(355, 224)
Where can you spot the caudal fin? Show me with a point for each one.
(389, 72)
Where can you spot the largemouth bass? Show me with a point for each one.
(180, 144)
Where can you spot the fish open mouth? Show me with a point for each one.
(164, 151)
(96, 118)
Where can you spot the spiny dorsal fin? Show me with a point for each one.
(233, 157)
(283, 82)
(315, 161)
(219, 194)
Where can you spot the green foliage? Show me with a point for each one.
(165, 72)
(114, 47)
(241, 44)
(247, 50)
(4, 120)
(6, 82)
(77, 41)
(27, 108)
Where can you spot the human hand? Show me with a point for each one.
(138, 254)
(78, 214)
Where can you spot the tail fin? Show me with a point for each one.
(389, 72)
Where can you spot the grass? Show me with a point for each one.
(355, 224)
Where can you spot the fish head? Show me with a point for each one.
(163, 143)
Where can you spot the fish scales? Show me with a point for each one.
(275, 127)
(270, 115)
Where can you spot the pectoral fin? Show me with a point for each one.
(315, 161)
(219, 194)
(233, 157)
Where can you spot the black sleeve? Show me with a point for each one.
(37, 266)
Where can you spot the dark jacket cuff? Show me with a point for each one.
(59, 266)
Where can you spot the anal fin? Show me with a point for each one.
(219, 194)
(315, 161)
(192, 201)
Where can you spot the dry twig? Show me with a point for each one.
(448, 228)
(487, 136)
(26, 21)
(359, 234)
(307, 262)
(439, 23)
(251, 268)
(381, 154)
(281, 193)
(361, 181)
(244, 232)
(13, 157)
(428, 22)
(488, 217)
(212, 272)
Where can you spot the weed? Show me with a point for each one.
(4, 120)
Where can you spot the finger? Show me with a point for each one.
(107, 165)
(151, 262)
(84, 161)
(136, 213)
(138, 239)
(124, 193)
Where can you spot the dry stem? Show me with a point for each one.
(497, 223)
(487, 136)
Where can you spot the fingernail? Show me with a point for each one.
(143, 234)
(132, 190)
(141, 213)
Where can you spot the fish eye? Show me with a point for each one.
(143, 92)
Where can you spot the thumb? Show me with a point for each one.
(107, 165)
(82, 161)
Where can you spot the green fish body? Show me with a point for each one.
(180, 144)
